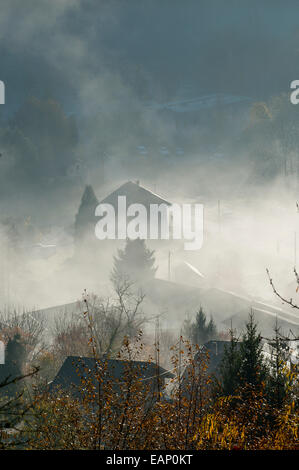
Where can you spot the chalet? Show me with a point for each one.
(215, 350)
(77, 371)
(133, 192)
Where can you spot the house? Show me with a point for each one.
(215, 350)
(206, 364)
(135, 194)
(267, 316)
(77, 371)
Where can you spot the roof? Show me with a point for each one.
(215, 350)
(75, 368)
(266, 319)
(134, 194)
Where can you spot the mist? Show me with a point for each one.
(193, 105)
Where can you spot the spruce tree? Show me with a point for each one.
(85, 221)
(201, 331)
(280, 379)
(230, 367)
(135, 262)
(253, 370)
(211, 330)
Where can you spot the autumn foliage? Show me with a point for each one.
(183, 414)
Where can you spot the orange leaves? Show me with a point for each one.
(134, 414)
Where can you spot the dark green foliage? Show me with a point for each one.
(135, 262)
(230, 366)
(202, 331)
(243, 364)
(280, 379)
(85, 219)
(253, 370)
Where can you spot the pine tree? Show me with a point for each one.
(253, 370)
(201, 331)
(280, 379)
(135, 262)
(198, 329)
(211, 330)
(85, 219)
(230, 367)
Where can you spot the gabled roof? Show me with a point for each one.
(266, 319)
(135, 194)
(75, 368)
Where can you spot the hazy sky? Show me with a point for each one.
(62, 47)
(105, 61)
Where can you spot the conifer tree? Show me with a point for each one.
(280, 379)
(85, 219)
(201, 331)
(135, 262)
(211, 330)
(253, 370)
(230, 366)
